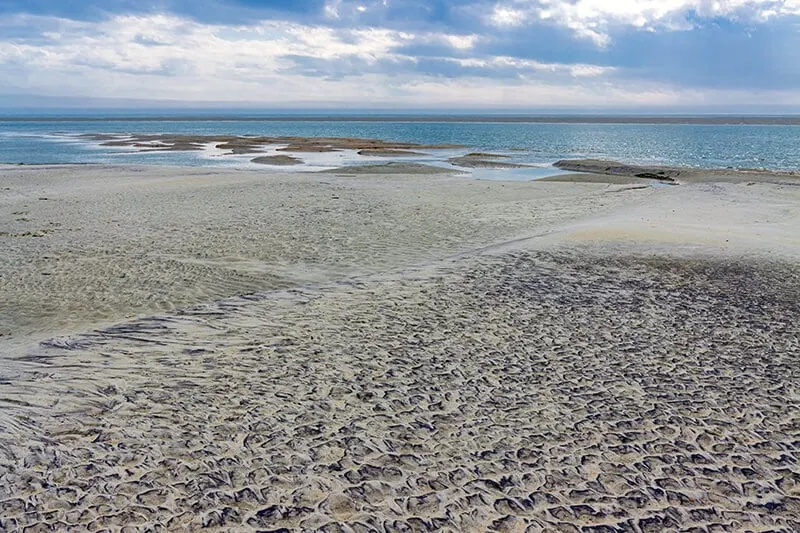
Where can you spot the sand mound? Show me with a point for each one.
(667, 174)
(280, 160)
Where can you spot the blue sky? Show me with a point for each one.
(474, 54)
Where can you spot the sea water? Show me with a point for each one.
(776, 147)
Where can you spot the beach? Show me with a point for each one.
(401, 350)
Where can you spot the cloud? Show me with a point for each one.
(169, 46)
(594, 19)
(359, 52)
(504, 16)
(526, 66)
(460, 42)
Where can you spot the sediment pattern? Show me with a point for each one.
(130, 241)
(253, 143)
(523, 392)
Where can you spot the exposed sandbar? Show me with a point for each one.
(242, 143)
(282, 160)
(240, 148)
(310, 148)
(482, 160)
(388, 152)
(679, 174)
(486, 155)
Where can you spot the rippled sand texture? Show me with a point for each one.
(88, 244)
(541, 391)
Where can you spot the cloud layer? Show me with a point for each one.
(394, 53)
(597, 19)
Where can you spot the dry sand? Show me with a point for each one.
(461, 356)
(90, 243)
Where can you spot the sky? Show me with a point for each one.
(721, 55)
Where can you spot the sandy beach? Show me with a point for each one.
(238, 350)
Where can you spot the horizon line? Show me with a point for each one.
(404, 116)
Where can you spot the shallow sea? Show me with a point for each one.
(539, 144)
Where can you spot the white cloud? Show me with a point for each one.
(167, 57)
(525, 66)
(460, 42)
(592, 19)
(465, 92)
(147, 43)
(154, 43)
(332, 9)
(349, 9)
(507, 16)
(178, 58)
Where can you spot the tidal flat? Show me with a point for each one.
(188, 348)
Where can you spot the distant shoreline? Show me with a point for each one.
(749, 120)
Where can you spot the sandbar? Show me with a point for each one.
(674, 174)
(484, 160)
(282, 160)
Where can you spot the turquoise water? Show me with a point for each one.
(707, 146)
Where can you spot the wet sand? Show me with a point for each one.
(186, 142)
(576, 357)
(591, 168)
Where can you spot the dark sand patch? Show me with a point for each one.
(242, 147)
(177, 143)
(679, 174)
(109, 140)
(177, 147)
(486, 155)
(468, 162)
(388, 152)
(310, 148)
(282, 160)
(243, 143)
(484, 160)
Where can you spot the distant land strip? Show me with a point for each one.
(786, 120)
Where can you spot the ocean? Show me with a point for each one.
(540, 144)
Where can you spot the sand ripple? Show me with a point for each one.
(128, 241)
(526, 392)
